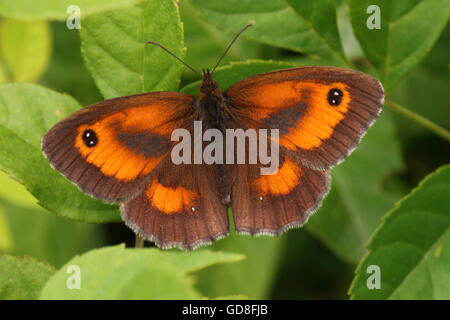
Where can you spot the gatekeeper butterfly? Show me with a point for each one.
(119, 150)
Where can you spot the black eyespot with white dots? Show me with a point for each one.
(90, 138)
(335, 96)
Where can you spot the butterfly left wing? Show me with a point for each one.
(119, 150)
(321, 114)
(110, 148)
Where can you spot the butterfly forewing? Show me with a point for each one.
(110, 148)
(321, 114)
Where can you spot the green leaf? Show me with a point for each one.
(408, 31)
(428, 79)
(22, 278)
(66, 71)
(303, 26)
(26, 112)
(3, 72)
(119, 273)
(25, 47)
(125, 64)
(6, 238)
(56, 9)
(358, 199)
(14, 192)
(36, 232)
(412, 246)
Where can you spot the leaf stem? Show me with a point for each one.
(139, 242)
(440, 131)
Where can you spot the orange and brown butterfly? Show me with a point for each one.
(119, 150)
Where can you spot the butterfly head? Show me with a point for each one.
(209, 86)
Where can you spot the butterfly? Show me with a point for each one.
(119, 150)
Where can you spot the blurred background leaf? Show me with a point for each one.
(405, 37)
(66, 72)
(27, 229)
(39, 233)
(25, 277)
(6, 240)
(307, 269)
(425, 92)
(412, 246)
(3, 75)
(253, 276)
(25, 48)
(56, 9)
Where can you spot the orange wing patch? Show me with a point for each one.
(282, 182)
(170, 200)
(320, 119)
(112, 157)
(268, 98)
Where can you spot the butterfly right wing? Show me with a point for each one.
(317, 130)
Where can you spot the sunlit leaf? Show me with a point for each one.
(125, 64)
(25, 47)
(56, 9)
(119, 273)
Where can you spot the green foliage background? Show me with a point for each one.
(389, 205)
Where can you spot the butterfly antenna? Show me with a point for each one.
(230, 45)
(173, 55)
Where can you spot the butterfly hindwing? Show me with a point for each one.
(180, 207)
(271, 204)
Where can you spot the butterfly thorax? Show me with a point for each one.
(211, 103)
